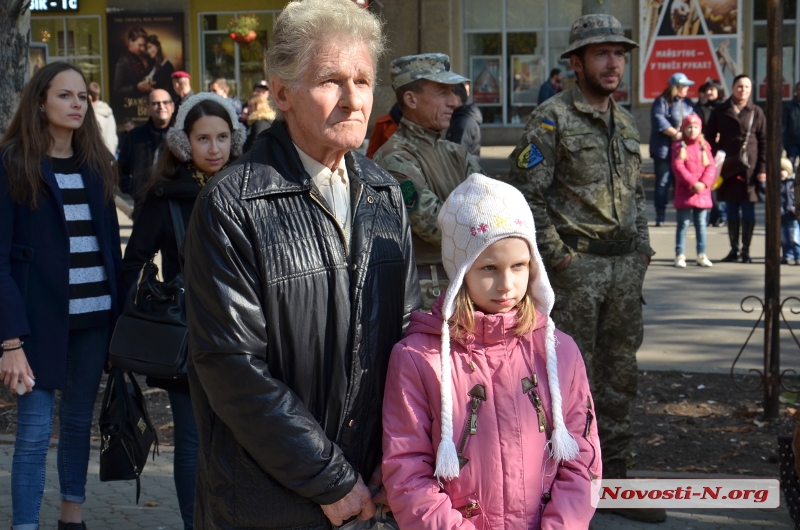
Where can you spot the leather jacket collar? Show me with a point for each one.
(286, 173)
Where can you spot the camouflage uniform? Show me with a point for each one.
(584, 186)
(428, 169)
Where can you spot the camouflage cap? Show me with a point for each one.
(592, 29)
(431, 66)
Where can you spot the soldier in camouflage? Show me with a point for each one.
(579, 166)
(427, 166)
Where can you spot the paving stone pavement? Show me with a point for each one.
(109, 505)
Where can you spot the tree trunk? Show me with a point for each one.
(596, 7)
(15, 29)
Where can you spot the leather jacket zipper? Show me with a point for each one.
(315, 198)
(478, 394)
(529, 387)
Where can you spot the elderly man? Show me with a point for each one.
(142, 146)
(579, 166)
(427, 166)
(299, 280)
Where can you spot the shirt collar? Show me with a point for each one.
(421, 132)
(316, 170)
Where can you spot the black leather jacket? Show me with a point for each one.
(290, 335)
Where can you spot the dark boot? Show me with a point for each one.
(747, 235)
(733, 235)
(71, 526)
(661, 215)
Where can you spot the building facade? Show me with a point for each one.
(507, 47)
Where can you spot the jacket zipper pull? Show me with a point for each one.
(589, 417)
(478, 394)
(529, 387)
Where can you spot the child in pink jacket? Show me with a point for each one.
(695, 171)
(487, 415)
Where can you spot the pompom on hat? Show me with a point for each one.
(479, 212)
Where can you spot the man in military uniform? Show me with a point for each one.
(427, 166)
(579, 166)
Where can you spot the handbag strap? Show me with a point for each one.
(749, 129)
(177, 226)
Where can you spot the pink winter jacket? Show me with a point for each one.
(688, 172)
(509, 482)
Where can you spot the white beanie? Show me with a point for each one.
(480, 211)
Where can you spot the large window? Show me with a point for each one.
(75, 39)
(242, 65)
(511, 46)
(790, 36)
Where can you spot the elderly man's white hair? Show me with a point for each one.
(305, 26)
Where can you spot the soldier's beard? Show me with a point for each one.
(595, 87)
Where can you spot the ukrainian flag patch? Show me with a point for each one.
(548, 124)
(529, 157)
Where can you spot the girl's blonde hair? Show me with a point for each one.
(462, 323)
(703, 151)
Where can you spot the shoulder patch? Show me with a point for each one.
(548, 125)
(410, 195)
(530, 157)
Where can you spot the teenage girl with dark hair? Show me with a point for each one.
(59, 282)
(203, 141)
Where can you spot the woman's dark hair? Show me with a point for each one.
(168, 165)
(28, 139)
(153, 39)
(741, 76)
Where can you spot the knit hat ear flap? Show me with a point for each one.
(178, 140)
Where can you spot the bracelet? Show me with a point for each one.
(11, 346)
(12, 349)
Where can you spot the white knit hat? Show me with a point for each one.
(480, 211)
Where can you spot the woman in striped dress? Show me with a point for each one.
(60, 291)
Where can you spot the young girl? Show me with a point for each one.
(695, 171)
(488, 419)
(206, 135)
(59, 283)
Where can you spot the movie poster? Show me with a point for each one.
(700, 38)
(143, 52)
(528, 74)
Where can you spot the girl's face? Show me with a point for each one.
(683, 91)
(152, 50)
(210, 139)
(67, 102)
(692, 131)
(498, 280)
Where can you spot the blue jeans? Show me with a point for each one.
(748, 210)
(664, 180)
(187, 443)
(790, 237)
(86, 355)
(698, 215)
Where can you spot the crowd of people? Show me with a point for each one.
(352, 318)
(713, 153)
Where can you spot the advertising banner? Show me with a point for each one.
(700, 38)
(143, 51)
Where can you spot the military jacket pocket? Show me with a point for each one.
(629, 161)
(583, 158)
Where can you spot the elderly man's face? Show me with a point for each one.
(328, 113)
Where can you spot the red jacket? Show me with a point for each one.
(509, 470)
(384, 128)
(690, 171)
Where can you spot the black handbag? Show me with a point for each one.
(151, 337)
(126, 432)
